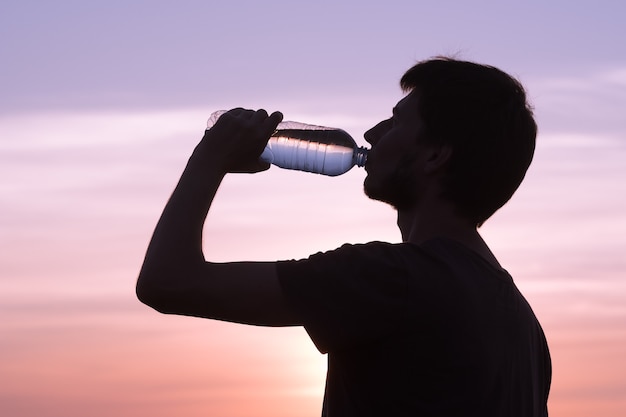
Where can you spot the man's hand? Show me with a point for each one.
(237, 140)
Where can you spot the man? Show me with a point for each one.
(433, 326)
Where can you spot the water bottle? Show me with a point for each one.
(303, 147)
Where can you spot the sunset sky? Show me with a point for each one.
(101, 103)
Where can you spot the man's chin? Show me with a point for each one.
(369, 189)
(390, 193)
(377, 193)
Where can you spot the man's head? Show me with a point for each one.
(481, 115)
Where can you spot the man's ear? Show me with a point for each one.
(437, 158)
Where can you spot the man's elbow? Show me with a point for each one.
(150, 292)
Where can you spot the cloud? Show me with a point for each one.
(588, 104)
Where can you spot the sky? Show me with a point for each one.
(101, 103)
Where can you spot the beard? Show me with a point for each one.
(398, 188)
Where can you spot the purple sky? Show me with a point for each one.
(102, 102)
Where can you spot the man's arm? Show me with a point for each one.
(175, 278)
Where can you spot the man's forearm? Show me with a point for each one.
(176, 245)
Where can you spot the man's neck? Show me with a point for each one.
(418, 226)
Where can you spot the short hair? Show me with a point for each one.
(482, 113)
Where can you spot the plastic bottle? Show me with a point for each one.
(310, 148)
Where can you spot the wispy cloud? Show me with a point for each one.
(590, 104)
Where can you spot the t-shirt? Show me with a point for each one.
(420, 330)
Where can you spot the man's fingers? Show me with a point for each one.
(250, 126)
(271, 122)
(259, 116)
(276, 117)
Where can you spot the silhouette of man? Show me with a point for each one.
(432, 326)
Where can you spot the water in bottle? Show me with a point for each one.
(310, 148)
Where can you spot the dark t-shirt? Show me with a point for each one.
(420, 330)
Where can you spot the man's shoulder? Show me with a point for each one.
(433, 258)
(364, 259)
(439, 251)
(373, 251)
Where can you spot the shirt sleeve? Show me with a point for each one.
(352, 295)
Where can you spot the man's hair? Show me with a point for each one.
(482, 114)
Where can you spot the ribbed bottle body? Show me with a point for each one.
(310, 148)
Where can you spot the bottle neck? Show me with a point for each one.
(360, 156)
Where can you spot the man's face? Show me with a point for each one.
(393, 162)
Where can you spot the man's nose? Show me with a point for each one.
(375, 133)
(369, 136)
